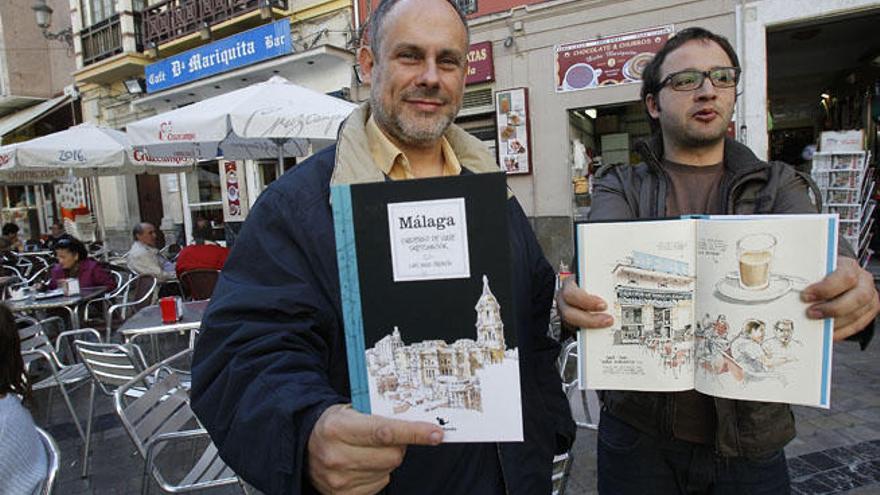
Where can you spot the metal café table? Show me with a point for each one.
(148, 321)
(69, 303)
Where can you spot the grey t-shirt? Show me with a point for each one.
(693, 190)
(23, 459)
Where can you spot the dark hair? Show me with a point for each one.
(10, 228)
(377, 20)
(651, 82)
(202, 231)
(73, 245)
(12, 377)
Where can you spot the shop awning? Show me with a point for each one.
(24, 117)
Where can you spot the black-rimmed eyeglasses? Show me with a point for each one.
(689, 80)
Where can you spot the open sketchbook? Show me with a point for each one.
(709, 303)
(424, 271)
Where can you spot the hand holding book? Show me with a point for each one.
(848, 295)
(581, 309)
(354, 452)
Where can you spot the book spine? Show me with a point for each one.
(350, 292)
(828, 330)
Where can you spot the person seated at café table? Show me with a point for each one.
(144, 257)
(56, 232)
(203, 253)
(10, 241)
(74, 262)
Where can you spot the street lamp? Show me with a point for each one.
(43, 14)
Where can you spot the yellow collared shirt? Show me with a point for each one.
(394, 163)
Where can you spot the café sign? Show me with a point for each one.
(481, 66)
(608, 60)
(242, 49)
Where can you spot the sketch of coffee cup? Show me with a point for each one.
(580, 76)
(754, 253)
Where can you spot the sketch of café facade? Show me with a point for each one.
(654, 298)
(432, 373)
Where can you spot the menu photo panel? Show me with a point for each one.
(514, 139)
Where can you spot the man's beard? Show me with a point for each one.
(689, 138)
(409, 130)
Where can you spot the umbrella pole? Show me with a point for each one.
(99, 213)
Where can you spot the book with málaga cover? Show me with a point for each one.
(424, 271)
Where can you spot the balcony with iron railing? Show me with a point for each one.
(171, 19)
(104, 39)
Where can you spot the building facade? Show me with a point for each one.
(37, 97)
(118, 41)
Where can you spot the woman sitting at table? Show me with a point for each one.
(74, 261)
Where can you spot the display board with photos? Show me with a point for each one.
(512, 120)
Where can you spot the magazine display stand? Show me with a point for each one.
(847, 180)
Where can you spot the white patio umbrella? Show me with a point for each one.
(85, 150)
(275, 118)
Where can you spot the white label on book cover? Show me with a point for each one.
(429, 240)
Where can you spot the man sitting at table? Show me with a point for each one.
(10, 240)
(144, 257)
(203, 253)
(74, 262)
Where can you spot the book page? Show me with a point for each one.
(753, 338)
(645, 272)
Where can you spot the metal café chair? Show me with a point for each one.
(137, 293)
(53, 455)
(199, 284)
(588, 400)
(110, 365)
(162, 416)
(36, 347)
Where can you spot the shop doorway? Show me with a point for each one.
(824, 76)
(150, 201)
(599, 136)
(821, 76)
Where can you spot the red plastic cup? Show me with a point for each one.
(168, 307)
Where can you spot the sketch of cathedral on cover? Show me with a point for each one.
(710, 304)
(450, 384)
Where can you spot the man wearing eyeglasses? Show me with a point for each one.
(687, 442)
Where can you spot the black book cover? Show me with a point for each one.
(426, 292)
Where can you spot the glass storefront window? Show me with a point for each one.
(269, 171)
(204, 199)
(23, 205)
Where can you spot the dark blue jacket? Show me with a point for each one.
(271, 355)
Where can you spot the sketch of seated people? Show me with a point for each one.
(748, 353)
(782, 347)
(716, 343)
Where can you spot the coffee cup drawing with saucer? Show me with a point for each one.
(580, 76)
(754, 282)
